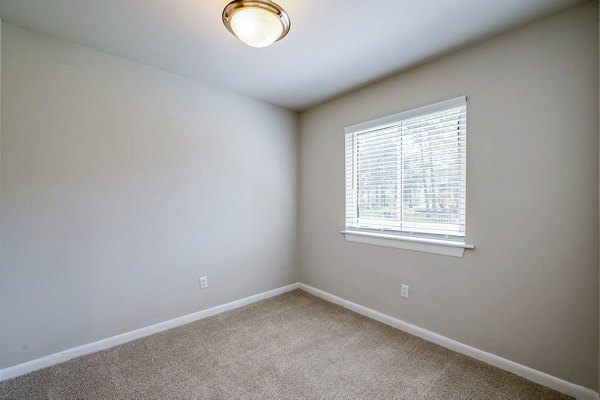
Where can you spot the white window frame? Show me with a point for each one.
(436, 243)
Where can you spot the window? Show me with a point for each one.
(406, 176)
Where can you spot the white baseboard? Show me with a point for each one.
(562, 386)
(568, 388)
(103, 344)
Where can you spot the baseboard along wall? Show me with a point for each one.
(562, 386)
(60, 357)
(568, 388)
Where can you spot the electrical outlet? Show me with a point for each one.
(404, 290)
(203, 282)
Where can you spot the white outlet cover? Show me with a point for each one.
(404, 290)
(203, 282)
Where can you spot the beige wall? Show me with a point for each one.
(121, 186)
(529, 292)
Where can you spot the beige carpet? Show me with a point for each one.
(291, 346)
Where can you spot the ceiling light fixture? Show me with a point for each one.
(257, 23)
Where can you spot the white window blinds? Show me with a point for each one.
(406, 173)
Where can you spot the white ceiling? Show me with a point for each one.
(333, 46)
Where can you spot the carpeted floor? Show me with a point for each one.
(290, 346)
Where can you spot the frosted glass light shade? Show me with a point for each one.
(256, 27)
(257, 23)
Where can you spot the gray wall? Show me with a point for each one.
(121, 186)
(529, 292)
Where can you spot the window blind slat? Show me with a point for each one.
(409, 175)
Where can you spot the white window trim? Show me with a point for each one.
(392, 119)
(426, 245)
(440, 246)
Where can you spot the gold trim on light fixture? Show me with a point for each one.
(270, 7)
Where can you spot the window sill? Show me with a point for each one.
(434, 246)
